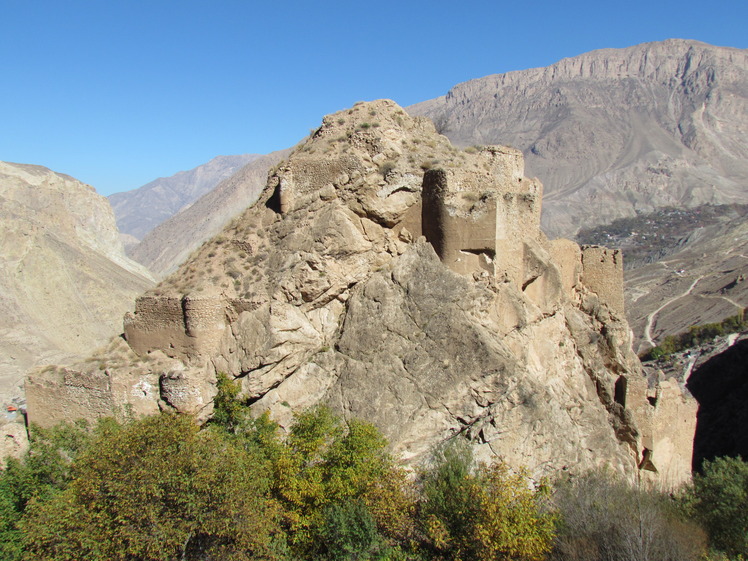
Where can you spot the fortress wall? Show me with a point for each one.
(517, 219)
(180, 327)
(477, 220)
(666, 419)
(507, 164)
(65, 394)
(602, 273)
(567, 256)
(300, 179)
(412, 223)
(459, 223)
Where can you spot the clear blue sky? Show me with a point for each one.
(117, 93)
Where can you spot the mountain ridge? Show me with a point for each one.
(140, 210)
(64, 279)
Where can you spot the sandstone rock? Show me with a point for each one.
(402, 281)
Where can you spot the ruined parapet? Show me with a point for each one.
(180, 327)
(602, 273)
(666, 418)
(301, 180)
(478, 220)
(459, 220)
(507, 164)
(567, 257)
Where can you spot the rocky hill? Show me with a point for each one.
(615, 131)
(403, 281)
(139, 211)
(64, 279)
(165, 247)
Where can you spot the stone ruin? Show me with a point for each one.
(329, 289)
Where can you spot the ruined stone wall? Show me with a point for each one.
(478, 220)
(299, 181)
(666, 418)
(66, 394)
(602, 273)
(459, 222)
(180, 327)
(567, 256)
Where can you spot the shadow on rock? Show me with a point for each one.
(720, 385)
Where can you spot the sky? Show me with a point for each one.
(120, 92)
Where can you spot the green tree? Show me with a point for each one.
(718, 498)
(158, 489)
(350, 532)
(482, 512)
(44, 471)
(328, 467)
(228, 411)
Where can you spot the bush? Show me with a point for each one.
(157, 488)
(44, 472)
(605, 518)
(718, 498)
(483, 512)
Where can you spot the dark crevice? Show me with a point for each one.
(529, 282)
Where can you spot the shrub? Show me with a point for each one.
(718, 498)
(605, 518)
(484, 512)
(158, 488)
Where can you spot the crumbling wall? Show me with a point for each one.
(478, 220)
(459, 223)
(184, 327)
(602, 273)
(666, 418)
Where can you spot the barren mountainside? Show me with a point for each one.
(64, 279)
(403, 281)
(140, 210)
(615, 131)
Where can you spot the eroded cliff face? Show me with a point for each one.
(402, 281)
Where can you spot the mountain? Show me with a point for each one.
(403, 281)
(165, 247)
(614, 132)
(142, 209)
(65, 281)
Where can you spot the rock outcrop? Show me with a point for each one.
(64, 279)
(403, 281)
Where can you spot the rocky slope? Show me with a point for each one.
(615, 131)
(165, 247)
(403, 281)
(701, 283)
(64, 279)
(139, 211)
